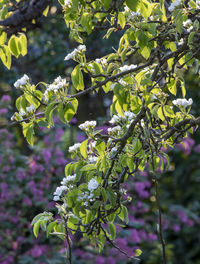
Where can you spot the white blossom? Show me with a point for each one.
(87, 125)
(73, 54)
(21, 82)
(30, 108)
(68, 179)
(22, 113)
(92, 185)
(115, 119)
(129, 115)
(174, 4)
(68, 3)
(115, 129)
(127, 67)
(74, 147)
(93, 159)
(56, 198)
(102, 61)
(182, 102)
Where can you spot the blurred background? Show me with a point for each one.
(29, 175)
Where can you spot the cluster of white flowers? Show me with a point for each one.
(92, 185)
(117, 118)
(114, 149)
(127, 67)
(67, 179)
(87, 125)
(102, 61)
(188, 24)
(129, 115)
(73, 54)
(87, 197)
(74, 147)
(21, 82)
(92, 159)
(198, 3)
(58, 192)
(30, 109)
(91, 146)
(182, 102)
(22, 113)
(174, 4)
(114, 130)
(57, 84)
(92, 68)
(122, 82)
(68, 3)
(133, 15)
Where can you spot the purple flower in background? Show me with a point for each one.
(5, 98)
(59, 134)
(100, 260)
(36, 251)
(197, 148)
(187, 145)
(27, 201)
(110, 260)
(176, 228)
(3, 111)
(46, 155)
(104, 129)
(73, 121)
(80, 138)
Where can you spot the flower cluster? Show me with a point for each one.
(21, 82)
(127, 116)
(102, 61)
(59, 190)
(132, 15)
(183, 102)
(30, 109)
(127, 67)
(92, 185)
(55, 87)
(73, 54)
(74, 147)
(68, 3)
(174, 4)
(87, 125)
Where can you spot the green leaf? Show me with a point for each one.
(121, 19)
(70, 109)
(133, 4)
(45, 12)
(61, 113)
(3, 38)
(49, 113)
(28, 132)
(146, 51)
(36, 228)
(88, 167)
(77, 78)
(106, 3)
(22, 44)
(112, 230)
(13, 46)
(172, 87)
(145, 8)
(160, 113)
(83, 148)
(5, 56)
(50, 227)
(138, 252)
